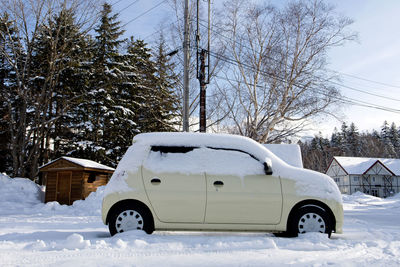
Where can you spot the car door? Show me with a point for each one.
(239, 191)
(175, 187)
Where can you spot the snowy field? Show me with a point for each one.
(35, 234)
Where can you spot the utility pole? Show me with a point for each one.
(186, 70)
(202, 76)
(202, 80)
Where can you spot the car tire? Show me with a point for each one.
(127, 218)
(308, 219)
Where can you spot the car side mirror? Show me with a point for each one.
(268, 166)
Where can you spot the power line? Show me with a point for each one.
(116, 2)
(144, 13)
(365, 92)
(340, 84)
(134, 2)
(342, 99)
(367, 80)
(131, 4)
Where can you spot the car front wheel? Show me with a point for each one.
(125, 219)
(310, 219)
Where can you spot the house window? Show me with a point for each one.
(355, 178)
(373, 179)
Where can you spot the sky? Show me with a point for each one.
(371, 64)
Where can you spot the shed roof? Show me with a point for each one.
(85, 163)
(358, 165)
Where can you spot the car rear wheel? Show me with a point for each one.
(125, 219)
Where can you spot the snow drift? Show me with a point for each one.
(22, 196)
(37, 234)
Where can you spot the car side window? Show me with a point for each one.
(196, 160)
(173, 159)
(232, 162)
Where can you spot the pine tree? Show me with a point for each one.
(335, 138)
(155, 90)
(389, 151)
(168, 103)
(353, 140)
(343, 144)
(395, 139)
(108, 112)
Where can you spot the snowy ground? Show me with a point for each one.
(35, 234)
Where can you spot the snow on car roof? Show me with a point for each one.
(359, 165)
(86, 163)
(201, 139)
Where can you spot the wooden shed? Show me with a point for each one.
(68, 179)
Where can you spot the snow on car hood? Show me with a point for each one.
(309, 183)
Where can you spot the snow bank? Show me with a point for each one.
(22, 196)
(53, 235)
(359, 198)
(18, 195)
(90, 206)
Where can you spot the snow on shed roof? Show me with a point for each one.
(358, 165)
(86, 163)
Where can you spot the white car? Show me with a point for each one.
(216, 182)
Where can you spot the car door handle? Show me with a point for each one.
(218, 183)
(155, 181)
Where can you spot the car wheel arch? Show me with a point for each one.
(313, 203)
(129, 203)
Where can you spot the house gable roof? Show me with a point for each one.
(378, 162)
(359, 165)
(338, 163)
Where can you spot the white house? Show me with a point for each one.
(375, 176)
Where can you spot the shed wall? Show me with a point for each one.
(76, 186)
(87, 188)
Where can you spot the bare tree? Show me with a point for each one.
(276, 76)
